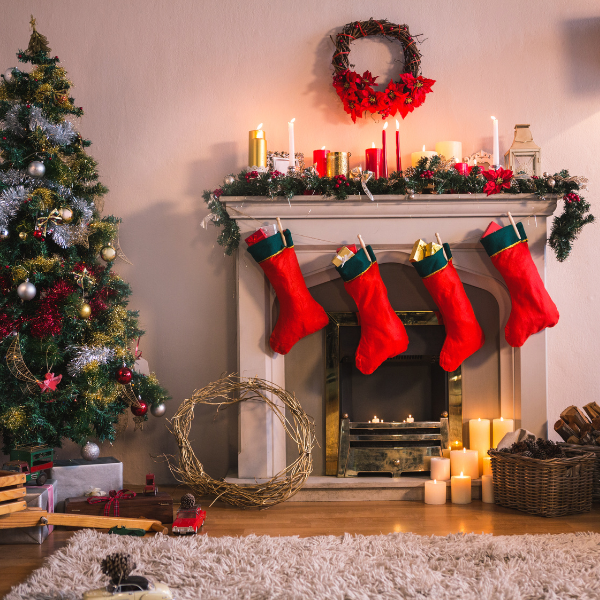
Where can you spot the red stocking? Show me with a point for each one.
(464, 335)
(382, 334)
(532, 308)
(299, 313)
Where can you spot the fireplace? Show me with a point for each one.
(496, 381)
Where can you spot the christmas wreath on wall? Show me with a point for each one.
(358, 93)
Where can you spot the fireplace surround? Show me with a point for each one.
(390, 224)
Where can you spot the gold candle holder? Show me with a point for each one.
(338, 163)
(257, 148)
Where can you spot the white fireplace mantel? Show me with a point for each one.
(390, 224)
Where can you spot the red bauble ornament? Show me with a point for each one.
(124, 375)
(141, 409)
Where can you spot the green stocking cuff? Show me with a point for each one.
(356, 265)
(270, 246)
(502, 239)
(434, 263)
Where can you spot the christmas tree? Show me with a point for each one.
(66, 367)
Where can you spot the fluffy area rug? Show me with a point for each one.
(399, 565)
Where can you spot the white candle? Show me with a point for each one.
(465, 461)
(435, 492)
(440, 468)
(460, 486)
(487, 465)
(487, 489)
(375, 420)
(415, 157)
(292, 154)
(479, 438)
(410, 419)
(500, 428)
(496, 147)
(450, 150)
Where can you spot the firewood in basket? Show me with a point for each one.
(593, 410)
(574, 416)
(573, 440)
(596, 422)
(587, 439)
(565, 431)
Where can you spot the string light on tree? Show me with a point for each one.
(4, 233)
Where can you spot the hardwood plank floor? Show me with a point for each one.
(330, 518)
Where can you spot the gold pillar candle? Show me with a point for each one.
(257, 148)
(338, 163)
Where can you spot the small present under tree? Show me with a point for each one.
(66, 368)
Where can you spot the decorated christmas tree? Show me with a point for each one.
(67, 369)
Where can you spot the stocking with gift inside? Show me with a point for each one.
(382, 334)
(532, 309)
(299, 313)
(464, 335)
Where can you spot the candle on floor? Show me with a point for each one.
(320, 159)
(373, 160)
(415, 157)
(487, 489)
(384, 167)
(449, 150)
(496, 147)
(440, 468)
(292, 151)
(460, 486)
(465, 461)
(487, 465)
(398, 159)
(500, 428)
(410, 419)
(257, 148)
(375, 420)
(479, 438)
(435, 492)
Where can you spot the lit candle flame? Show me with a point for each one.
(323, 148)
(260, 126)
(502, 418)
(385, 125)
(293, 120)
(373, 144)
(435, 481)
(461, 474)
(494, 119)
(479, 419)
(397, 125)
(423, 147)
(465, 450)
(409, 416)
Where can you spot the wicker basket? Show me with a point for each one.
(574, 449)
(549, 488)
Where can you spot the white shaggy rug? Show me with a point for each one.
(399, 565)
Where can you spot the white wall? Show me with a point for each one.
(171, 88)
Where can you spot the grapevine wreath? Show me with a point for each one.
(357, 92)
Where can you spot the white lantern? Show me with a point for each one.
(524, 157)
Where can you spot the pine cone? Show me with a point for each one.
(527, 454)
(187, 501)
(117, 566)
(541, 454)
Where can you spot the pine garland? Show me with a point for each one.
(434, 174)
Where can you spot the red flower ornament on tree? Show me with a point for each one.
(497, 180)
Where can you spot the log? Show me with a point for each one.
(574, 440)
(586, 439)
(574, 416)
(564, 431)
(596, 422)
(593, 410)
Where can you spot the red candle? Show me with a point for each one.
(384, 169)
(398, 159)
(320, 159)
(374, 161)
(462, 168)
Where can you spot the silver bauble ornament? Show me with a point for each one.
(90, 451)
(26, 290)
(66, 214)
(8, 75)
(158, 411)
(550, 181)
(36, 169)
(229, 180)
(4, 233)
(108, 253)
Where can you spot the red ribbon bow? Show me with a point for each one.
(112, 500)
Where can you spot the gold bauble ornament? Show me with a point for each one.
(22, 235)
(85, 310)
(66, 214)
(108, 253)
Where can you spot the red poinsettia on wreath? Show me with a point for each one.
(359, 96)
(497, 180)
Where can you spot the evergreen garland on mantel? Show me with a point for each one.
(433, 175)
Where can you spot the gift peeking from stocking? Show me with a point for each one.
(532, 309)
(382, 334)
(299, 313)
(464, 335)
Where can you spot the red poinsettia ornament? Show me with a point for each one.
(497, 180)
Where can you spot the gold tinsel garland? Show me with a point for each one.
(232, 389)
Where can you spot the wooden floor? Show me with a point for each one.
(331, 518)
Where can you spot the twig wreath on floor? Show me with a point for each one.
(357, 92)
(232, 389)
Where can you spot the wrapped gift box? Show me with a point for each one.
(75, 477)
(158, 507)
(41, 496)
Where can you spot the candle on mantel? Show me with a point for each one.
(449, 150)
(384, 168)
(415, 157)
(487, 465)
(320, 159)
(496, 147)
(398, 158)
(487, 489)
(460, 486)
(257, 148)
(375, 420)
(435, 492)
(500, 428)
(446, 452)
(465, 461)
(456, 445)
(410, 419)
(440, 468)
(373, 160)
(479, 438)
(292, 152)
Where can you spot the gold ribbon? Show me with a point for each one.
(364, 176)
(52, 219)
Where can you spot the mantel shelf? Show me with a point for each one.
(390, 206)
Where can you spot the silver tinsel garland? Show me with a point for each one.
(61, 133)
(84, 355)
(10, 202)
